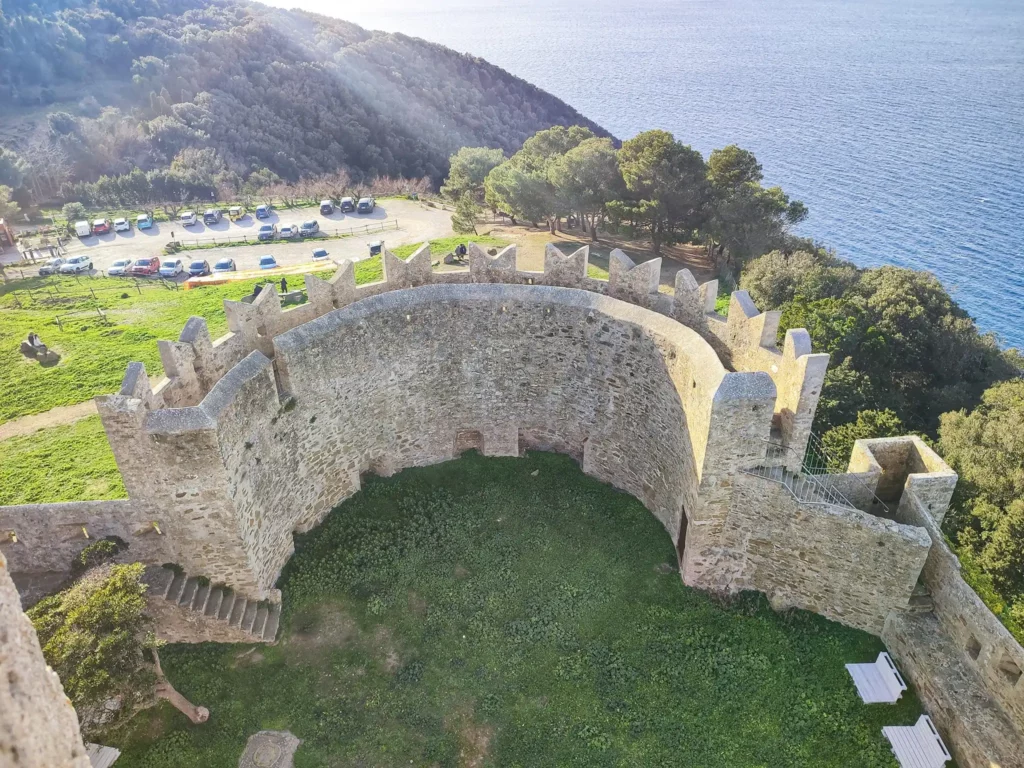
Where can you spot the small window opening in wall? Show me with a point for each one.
(973, 647)
(1009, 669)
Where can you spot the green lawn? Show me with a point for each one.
(68, 463)
(515, 612)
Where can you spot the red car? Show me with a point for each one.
(145, 267)
(101, 226)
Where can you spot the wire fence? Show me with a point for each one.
(324, 233)
(55, 289)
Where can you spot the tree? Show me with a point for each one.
(986, 448)
(468, 169)
(745, 220)
(902, 342)
(667, 181)
(838, 441)
(587, 178)
(518, 193)
(464, 218)
(94, 635)
(8, 208)
(73, 212)
(12, 169)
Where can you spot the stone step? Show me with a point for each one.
(261, 620)
(238, 612)
(213, 603)
(920, 604)
(199, 601)
(249, 617)
(159, 580)
(176, 587)
(191, 585)
(226, 605)
(273, 621)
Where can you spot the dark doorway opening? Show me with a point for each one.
(681, 542)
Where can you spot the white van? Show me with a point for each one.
(83, 228)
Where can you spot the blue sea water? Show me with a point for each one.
(900, 123)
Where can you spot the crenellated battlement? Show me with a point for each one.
(745, 340)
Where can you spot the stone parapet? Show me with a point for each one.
(38, 725)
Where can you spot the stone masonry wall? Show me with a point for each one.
(842, 563)
(392, 381)
(41, 540)
(38, 725)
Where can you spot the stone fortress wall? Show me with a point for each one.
(260, 433)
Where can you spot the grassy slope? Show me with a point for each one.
(67, 463)
(516, 608)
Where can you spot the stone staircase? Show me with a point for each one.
(920, 600)
(258, 619)
(805, 488)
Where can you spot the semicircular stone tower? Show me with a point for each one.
(254, 436)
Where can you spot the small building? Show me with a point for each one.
(6, 236)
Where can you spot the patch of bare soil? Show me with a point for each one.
(326, 626)
(385, 647)
(474, 743)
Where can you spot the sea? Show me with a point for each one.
(900, 123)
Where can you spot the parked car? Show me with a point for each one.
(145, 267)
(211, 216)
(171, 268)
(309, 228)
(262, 211)
(101, 227)
(376, 247)
(347, 205)
(319, 254)
(366, 205)
(189, 219)
(143, 221)
(76, 264)
(52, 267)
(122, 225)
(119, 268)
(83, 228)
(235, 212)
(224, 265)
(326, 207)
(199, 268)
(288, 231)
(267, 232)
(268, 262)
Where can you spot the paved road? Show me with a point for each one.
(417, 223)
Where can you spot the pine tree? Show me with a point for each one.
(464, 218)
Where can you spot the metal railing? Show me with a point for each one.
(815, 482)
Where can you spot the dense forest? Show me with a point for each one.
(101, 87)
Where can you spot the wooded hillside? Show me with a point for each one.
(94, 87)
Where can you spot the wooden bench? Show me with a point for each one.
(918, 745)
(878, 682)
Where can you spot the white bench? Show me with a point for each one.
(100, 756)
(878, 682)
(918, 745)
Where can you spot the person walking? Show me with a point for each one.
(284, 285)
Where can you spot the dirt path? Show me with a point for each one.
(55, 417)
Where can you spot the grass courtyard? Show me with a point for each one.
(514, 612)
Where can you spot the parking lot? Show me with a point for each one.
(416, 223)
